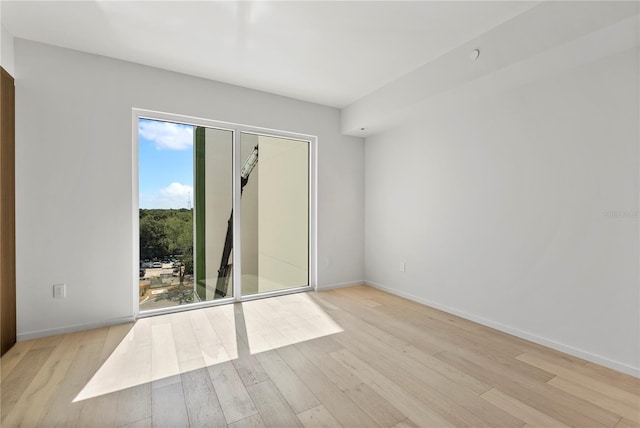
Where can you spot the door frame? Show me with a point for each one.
(237, 130)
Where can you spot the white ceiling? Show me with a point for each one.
(327, 52)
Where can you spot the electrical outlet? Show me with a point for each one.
(402, 267)
(59, 291)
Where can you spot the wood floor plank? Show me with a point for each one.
(459, 377)
(438, 327)
(168, 407)
(45, 342)
(450, 400)
(134, 404)
(203, 407)
(99, 411)
(211, 347)
(290, 386)
(392, 339)
(254, 421)
(132, 361)
(248, 367)
(93, 335)
(604, 374)
(385, 323)
(600, 398)
(19, 379)
(166, 381)
(187, 348)
(273, 408)
(626, 423)
(229, 324)
(439, 324)
(44, 384)
(407, 423)
(164, 357)
(520, 410)
(435, 317)
(318, 353)
(414, 310)
(145, 423)
(374, 405)
(346, 412)
(222, 320)
(115, 336)
(231, 391)
(317, 417)
(13, 357)
(480, 342)
(65, 408)
(393, 392)
(564, 407)
(632, 399)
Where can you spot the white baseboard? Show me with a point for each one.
(339, 285)
(615, 365)
(72, 328)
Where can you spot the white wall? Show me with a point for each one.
(6, 50)
(519, 208)
(74, 174)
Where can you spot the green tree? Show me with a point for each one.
(152, 237)
(165, 232)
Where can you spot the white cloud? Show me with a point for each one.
(166, 135)
(177, 190)
(175, 195)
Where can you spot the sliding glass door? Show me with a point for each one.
(224, 213)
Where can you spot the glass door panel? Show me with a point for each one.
(213, 213)
(275, 213)
(165, 213)
(185, 194)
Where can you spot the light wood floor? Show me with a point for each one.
(354, 357)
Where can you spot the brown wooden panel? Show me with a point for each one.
(7, 213)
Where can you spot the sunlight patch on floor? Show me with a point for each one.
(164, 346)
(167, 345)
(285, 320)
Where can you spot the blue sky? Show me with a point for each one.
(166, 164)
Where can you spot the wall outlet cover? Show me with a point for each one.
(59, 291)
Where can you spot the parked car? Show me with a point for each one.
(156, 264)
